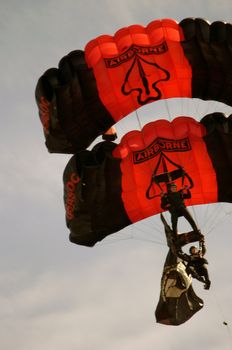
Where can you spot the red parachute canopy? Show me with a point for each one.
(113, 185)
(164, 148)
(115, 75)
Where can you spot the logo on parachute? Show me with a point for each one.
(70, 187)
(166, 169)
(142, 72)
(161, 145)
(44, 111)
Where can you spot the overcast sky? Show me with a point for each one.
(55, 295)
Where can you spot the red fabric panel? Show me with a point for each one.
(139, 65)
(182, 142)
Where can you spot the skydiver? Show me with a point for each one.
(196, 263)
(173, 201)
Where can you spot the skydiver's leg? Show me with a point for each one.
(191, 270)
(204, 272)
(189, 218)
(174, 219)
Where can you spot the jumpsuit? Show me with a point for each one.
(174, 202)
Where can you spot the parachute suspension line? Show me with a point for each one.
(151, 233)
(195, 216)
(206, 215)
(217, 221)
(138, 120)
(115, 240)
(213, 219)
(186, 107)
(208, 218)
(168, 109)
(148, 233)
(149, 240)
(223, 319)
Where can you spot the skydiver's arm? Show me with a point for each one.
(165, 202)
(202, 247)
(195, 274)
(186, 193)
(182, 255)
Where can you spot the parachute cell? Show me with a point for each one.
(92, 90)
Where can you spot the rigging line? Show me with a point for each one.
(149, 240)
(195, 215)
(148, 237)
(212, 228)
(138, 120)
(211, 217)
(206, 215)
(157, 232)
(152, 231)
(221, 312)
(216, 215)
(156, 226)
(214, 224)
(116, 240)
(151, 235)
(168, 109)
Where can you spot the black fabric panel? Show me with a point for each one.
(99, 209)
(219, 145)
(77, 114)
(208, 48)
(55, 138)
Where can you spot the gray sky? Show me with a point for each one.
(55, 295)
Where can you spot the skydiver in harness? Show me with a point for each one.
(196, 263)
(173, 201)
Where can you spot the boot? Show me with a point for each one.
(207, 284)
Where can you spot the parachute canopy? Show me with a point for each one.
(106, 189)
(93, 89)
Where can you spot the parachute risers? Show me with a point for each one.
(111, 193)
(93, 89)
